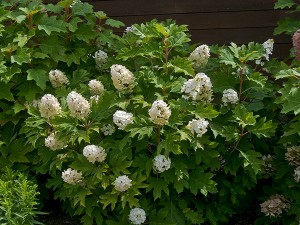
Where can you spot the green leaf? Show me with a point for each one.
(9, 73)
(243, 117)
(227, 58)
(229, 132)
(22, 55)
(51, 24)
(292, 73)
(195, 217)
(86, 33)
(169, 144)
(206, 112)
(290, 99)
(140, 127)
(29, 90)
(182, 65)
(21, 40)
(263, 128)
(253, 159)
(39, 76)
(53, 8)
(258, 78)
(288, 26)
(119, 165)
(5, 92)
(281, 4)
(161, 29)
(114, 23)
(100, 15)
(158, 185)
(81, 9)
(201, 181)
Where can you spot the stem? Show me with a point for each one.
(67, 19)
(166, 54)
(30, 21)
(241, 72)
(158, 134)
(243, 133)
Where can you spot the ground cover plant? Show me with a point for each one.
(18, 199)
(149, 129)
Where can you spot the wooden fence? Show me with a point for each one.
(210, 21)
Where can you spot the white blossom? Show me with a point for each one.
(71, 176)
(198, 126)
(297, 174)
(198, 88)
(268, 47)
(122, 119)
(274, 206)
(200, 56)
(54, 143)
(128, 30)
(293, 155)
(94, 98)
(122, 183)
(137, 216)
(161, 163)
(230, 96)
(100, 58)
(78, 105)
(94, 153)
(108, 129)
(57, 78)
(96, 87)
(49, 106)
(122, 78)
(159, 112)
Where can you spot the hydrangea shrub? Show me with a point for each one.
(147, 128)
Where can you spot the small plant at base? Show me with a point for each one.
(18, 199)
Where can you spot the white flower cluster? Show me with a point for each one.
(35, 103)
(71, 176)
(297, 174)
(159, 112)
(122, 183)
(57, 78)
(293, 155)
(268, 46)
(78, 105)
(54, 143)
(108, 129)
(267, 167)
(198, 127)
(198, 88)
(122, 78)
(274, 206)
(200, 56)
(230, 96)
(122, 119)
(49, 106)
(161, 163)
(94, 153)
(96, 87)
(100, 58)
(94, 98)
(128, 30)
(137, 216)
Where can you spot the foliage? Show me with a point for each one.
(18, 199)
(34, 39)
(290, 24)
